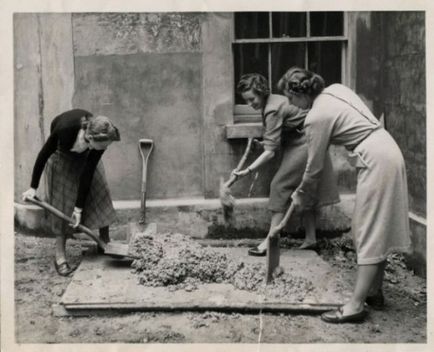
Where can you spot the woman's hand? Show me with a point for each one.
(76, 217)
(301, 201)
(241, 173)
(29, 194)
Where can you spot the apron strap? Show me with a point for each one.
(375, 122)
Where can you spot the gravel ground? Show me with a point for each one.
(37, 287)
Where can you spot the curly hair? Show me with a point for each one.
(298, 80)
(255, 82)
(100, 128)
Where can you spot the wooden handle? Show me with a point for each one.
(241, 163)
(145, 148)
(253, 184)
(245, 155)
(66, 218)
(285, 219)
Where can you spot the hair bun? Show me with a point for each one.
(102, 129)
(299, 80)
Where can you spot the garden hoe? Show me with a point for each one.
(113, 249)
(273, 246)
(226, 199)
(145, 148)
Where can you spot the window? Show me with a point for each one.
(270, 43)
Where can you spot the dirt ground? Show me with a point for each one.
(38, 286)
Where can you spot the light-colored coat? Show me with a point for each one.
(380, 222)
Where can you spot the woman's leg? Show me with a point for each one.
(60, 248)
(276, 218)
(366, 279)
(377, 285)
(104, 234)
(309, 228)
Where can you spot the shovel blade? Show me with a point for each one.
(273, 257)
(118, 250)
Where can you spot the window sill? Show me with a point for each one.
(244, 130)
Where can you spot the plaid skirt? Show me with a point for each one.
(63, 173)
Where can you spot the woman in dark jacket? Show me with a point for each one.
(283, 125)
(76, 182)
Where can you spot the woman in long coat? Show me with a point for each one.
(283, 124)
(76, 182)
(380, 221)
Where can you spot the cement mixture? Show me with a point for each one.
(178, 262)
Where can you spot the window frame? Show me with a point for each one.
(242, 112)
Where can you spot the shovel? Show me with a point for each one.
(226, 199)
(273, 246)
(116, 250)
(145, 148)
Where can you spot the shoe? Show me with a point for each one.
(376, 301)
(313, 245)
(63, 269)
(106, 240)
(256, 252)
(337, 317)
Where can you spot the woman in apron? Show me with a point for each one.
(76, 182)
(380, 221)
(283, 125)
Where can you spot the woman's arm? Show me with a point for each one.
(272, 138)
(47, 150)
(318, 133)
(86, 176)
(262, 159)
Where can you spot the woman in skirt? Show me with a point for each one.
(283, 124)
(76, 182)
(380, 221)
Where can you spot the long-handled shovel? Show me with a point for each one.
(273, 245)
(117, 250)
(226, 199)
(145, 148)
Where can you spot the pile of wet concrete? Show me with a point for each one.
(179, 262)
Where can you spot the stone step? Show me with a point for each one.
(202, 218)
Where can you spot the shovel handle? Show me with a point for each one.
(273, 246)
(148, 145)
(276, 229)
(241, 163)
(66, 218)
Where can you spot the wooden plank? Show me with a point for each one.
(91, 309)
(102, 284)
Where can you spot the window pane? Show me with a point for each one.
(284, 56)
(325, 59)
(251, 25)
(249, 58)
(326, 23)
(289, 24)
